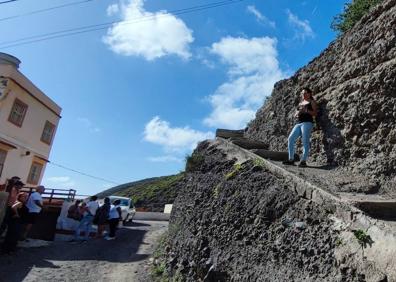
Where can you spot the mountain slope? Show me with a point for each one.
(151, 194)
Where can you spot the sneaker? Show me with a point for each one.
(109, 238)
(288, 162)
(302, 164)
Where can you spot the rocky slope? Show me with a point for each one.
(223, 232)
(354, 81)
(238, 221)
(150, 194)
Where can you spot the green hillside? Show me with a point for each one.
(151, 193)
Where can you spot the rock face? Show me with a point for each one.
(237, 222)
(354, 83)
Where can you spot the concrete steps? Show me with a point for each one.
(349, 212)
(227, 133)
(373, 205)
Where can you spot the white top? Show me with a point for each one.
(93, 206)
(113, 212)
(31, 205)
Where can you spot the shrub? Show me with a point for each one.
(237, 167)
(194, 162)
(363, 238)
(352, 13)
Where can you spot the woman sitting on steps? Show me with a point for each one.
(305, 114)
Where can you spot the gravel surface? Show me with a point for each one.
(124, 259)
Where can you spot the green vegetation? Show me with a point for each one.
(339, 242)
(173, 228)
(352, 13)
(258, 162)
(158, 271)
(151, 193)
(363, 238)
(216, 191)
(194, 162)
(234, 172)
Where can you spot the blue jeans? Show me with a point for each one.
(85, 225)
(304, 130)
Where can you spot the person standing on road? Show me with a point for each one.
(35, 205)
(15, 222)
(305, 114)
(101, 217)
(92, 207)
(114, 219)
(13, 187)
(85, 223)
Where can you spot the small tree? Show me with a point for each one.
(352, 13)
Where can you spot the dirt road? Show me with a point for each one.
(124, 259)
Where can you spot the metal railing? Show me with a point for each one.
(53, 196)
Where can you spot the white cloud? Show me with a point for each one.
(260, 17)
(88, 124)
(302, 28)
(59, 182)
(174, 139)
(59, 179)
(165, 159)
(147, 34)
(253, 70)
(113, 10)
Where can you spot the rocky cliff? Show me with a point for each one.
(354, 83)
(243, 218)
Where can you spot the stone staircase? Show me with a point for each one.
(375, 215)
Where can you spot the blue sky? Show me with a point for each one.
(138, 95)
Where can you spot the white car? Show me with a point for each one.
(127, 208)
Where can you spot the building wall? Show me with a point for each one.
(26, 138)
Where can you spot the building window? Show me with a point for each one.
(3, 155)
(34, 174)
(48, 133)
(18, 112)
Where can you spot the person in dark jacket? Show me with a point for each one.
(15, 223)
(12, 187)
(101, 217)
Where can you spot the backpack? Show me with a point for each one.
(101, 212)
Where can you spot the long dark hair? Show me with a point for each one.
(309, 91)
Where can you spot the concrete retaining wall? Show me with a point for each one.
(156, 216)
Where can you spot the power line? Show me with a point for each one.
(45, 10)
(96, 27)
(105, 25)
(85, 174)
(8, 1)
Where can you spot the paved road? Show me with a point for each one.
(124, 259)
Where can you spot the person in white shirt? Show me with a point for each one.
(89, 211)
(34, 205)
(114, 219)
(93, 205)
